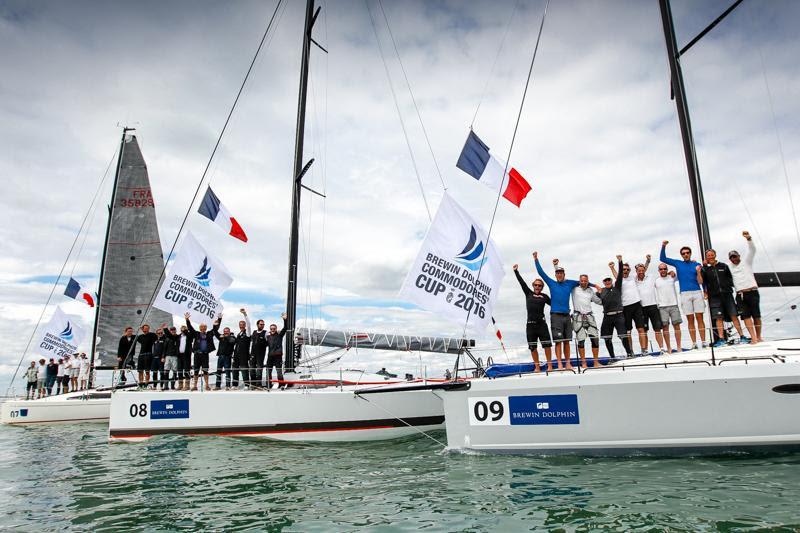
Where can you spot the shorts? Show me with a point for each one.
(75, 372)
(200, 362)
(722, 306)
(749, 304)
(633, 314)
(40, 383)
(584, 325)
(537, 331)
(65, 380)
(144, 362)
(171, 363)
(693, 303)
(652, 314)
(561, 326)
(670, 315)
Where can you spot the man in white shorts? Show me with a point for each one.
(75, 369)
(83, 375)
(692, 300)
(668, 306)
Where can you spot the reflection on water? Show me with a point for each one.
(69, 476)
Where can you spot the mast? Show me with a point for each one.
(90, 384)
(291, 297)
(679, 91)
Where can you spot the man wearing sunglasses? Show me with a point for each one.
(536, 327)
(692, 299)
(632, 305)
(667, 300)
(717, 280)
(747, 298)
(560, 320)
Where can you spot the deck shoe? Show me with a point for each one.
(744, 340)
(718, 343)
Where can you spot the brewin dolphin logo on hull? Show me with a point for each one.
(470, 256)
(164, 409)
(543, 410)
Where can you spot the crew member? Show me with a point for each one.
(560, 322)
(32, 377)
(275, 352)
(51, 373)
(125, 352)
(157, 360)
(227, 343)
(613, 313)
(184, 358)
(145, 338)
(536, 328)
(583, 319)
(241, 352)
(632, 306)
(202, 346)
(83, 376)
(717, 280)
(667, 300)
(171, 366)
(258, 351)
(747, 298)
(60, 389)
(692, 300)
(646, 286)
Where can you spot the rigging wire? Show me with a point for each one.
(211, 158)
(508, 158)
(411, 93)
(494, 63)
(63, 267)
(397, 106)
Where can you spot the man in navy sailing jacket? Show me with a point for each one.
(202, 345)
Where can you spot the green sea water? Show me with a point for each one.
(70, 478)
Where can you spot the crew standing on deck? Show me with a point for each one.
(748, 299)
(692, 300)
(32, 377)
(258, 352)
(241, 352)
(536, 329)
(227, 342)
(125, 352)
(184, 358)
(157, 361)
(202, 346)
(632, 306)
(170, 374)
(145, 338)
(667, 300)
(646, 285)
(275, 352)
(560, 321)
(583, 320)
(717, 281)
(613, 314)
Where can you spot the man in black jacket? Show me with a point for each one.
(275, 351)
(717, 281)
(146, 339)
(258, 351)
(536, 329)
(170, 360)
(613, 318)
(241, 352)
(227, 342)
(202, 346)
(125, 352)
(184, 344)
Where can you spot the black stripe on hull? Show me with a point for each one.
(301, 427)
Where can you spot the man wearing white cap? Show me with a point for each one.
(748, 299)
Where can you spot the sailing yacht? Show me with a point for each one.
(131, 267)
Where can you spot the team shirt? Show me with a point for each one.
(665, 291)
(647, 289)
(582, 299)
(630, 291)
(686, 270)
(742, 273)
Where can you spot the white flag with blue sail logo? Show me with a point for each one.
(194, 284)
(445, 277)
(62, 336)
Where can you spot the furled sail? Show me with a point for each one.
(134, 259)
(381, 341)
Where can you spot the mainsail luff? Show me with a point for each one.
(381, 341)
(134, 259)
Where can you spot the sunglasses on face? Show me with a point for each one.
(661, 268)
(537, 285)
(686, 253)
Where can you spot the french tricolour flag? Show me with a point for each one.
(76, 292)
(213, 209)
(476, 161)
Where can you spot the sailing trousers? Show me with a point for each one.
(223, 365)
(241, 363)
(274, 360)
(611, 322)
(184, 365)
(256, 370)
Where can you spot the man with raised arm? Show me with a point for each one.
(632, 305)
(646, 285)
(717, 280)
(275, 352)
(126, 349)
(692, 300)
(536, 326)
(146, 339)
(202, 346)
(667, 299)
(583, 320)
(748, 299)
(241, 352)
(560, 321)
(613, 314)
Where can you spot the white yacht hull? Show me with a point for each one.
(322, 415)
(81, 406)
(692, 408)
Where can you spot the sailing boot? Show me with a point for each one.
(194, 383)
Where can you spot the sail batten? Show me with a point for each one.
(134, 258)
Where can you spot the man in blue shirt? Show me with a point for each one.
(692, 300)
(560, 320)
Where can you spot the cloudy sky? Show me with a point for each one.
(599, 142)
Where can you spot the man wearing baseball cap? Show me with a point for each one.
(748, 299)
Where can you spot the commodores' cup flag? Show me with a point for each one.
(194, 284)
(444, 278)
(62, 336)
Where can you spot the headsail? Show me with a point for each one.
(134, 259)
(381, 341)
